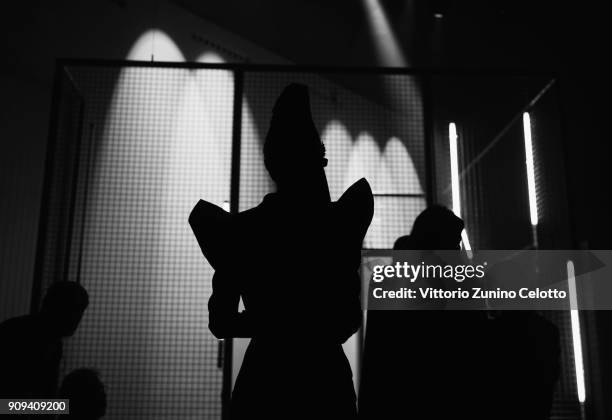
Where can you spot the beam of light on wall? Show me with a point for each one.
(165, 141)
(210, 57)
(387, 46)
(455, 192)
(576, 335)
(533, 205)
(364, 162)
(255, 181)
(402, 168)
(338, 145)
(155, 45)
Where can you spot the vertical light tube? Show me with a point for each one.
(466, 243)
(455, 193)
(533, 205)
(576, 336)
(454, 162)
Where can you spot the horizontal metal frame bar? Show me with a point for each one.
(415, 71)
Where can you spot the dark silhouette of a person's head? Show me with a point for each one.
(294, 154)
(63, 307)
(437, 228)
(86, 393)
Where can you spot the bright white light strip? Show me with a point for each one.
(466, 243)
(454, 161)
(533, 205)
(576, 337)
(456, 197)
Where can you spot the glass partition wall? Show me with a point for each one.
(134, 145)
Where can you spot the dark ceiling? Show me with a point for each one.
(302, 31)
(507, 33)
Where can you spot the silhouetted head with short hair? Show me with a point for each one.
(437, 228)
(86, 393)
(293, 152)
(405, 243)
(63, 307)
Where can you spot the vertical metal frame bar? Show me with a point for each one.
(226, 392)
(46, 191)
(73, 191)
(565, 152)
(430, 156)
(90, 165)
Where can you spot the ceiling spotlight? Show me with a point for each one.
(388, 47)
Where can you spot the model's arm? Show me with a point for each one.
(224, 320)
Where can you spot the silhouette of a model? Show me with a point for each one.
(85, 391)
(525, 351)
(425, 364)
(31, 345)
(294, 261)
